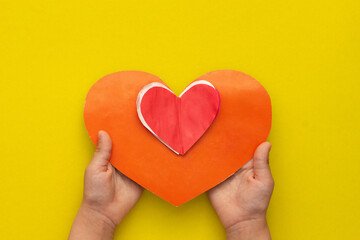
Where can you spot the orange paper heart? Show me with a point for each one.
(243, 122)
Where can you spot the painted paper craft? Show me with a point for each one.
(178, 122)
(128, 106)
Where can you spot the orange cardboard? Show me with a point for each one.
(242, 123)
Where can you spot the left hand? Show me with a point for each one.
(108, 194)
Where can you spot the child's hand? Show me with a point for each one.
(242, 200)
(108, 196)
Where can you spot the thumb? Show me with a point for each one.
(261, 161)
(103, 150)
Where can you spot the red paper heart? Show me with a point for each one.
(178, 122)
(243, 122)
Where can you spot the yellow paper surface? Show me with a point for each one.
(305, 53)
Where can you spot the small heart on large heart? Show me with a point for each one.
(178, 122)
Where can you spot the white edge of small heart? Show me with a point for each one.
(138, 108)
(196, 83)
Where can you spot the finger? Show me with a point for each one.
(248, 165)
(103, 150)
(261, 161)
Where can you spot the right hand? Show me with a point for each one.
(241, 201)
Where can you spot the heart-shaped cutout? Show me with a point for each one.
(243, 122)
(178, 122)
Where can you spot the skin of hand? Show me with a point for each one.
(242, 200)
(108, 196)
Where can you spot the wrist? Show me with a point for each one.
(253, 229)
(100, 224)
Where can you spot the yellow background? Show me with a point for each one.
(305, 53)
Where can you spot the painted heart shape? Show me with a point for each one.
(242, 123)
(178, 122)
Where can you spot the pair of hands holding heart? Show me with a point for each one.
(243, 122)
(240, 201)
